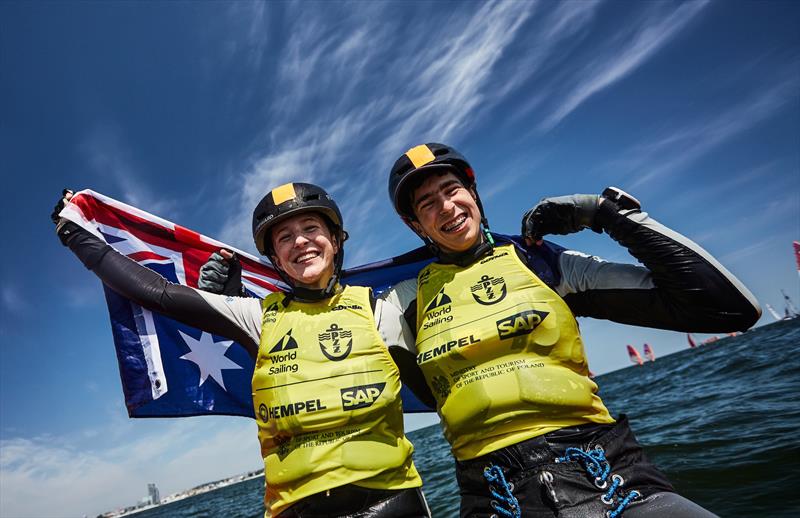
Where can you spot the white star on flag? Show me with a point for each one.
(209, 356)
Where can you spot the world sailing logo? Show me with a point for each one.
(439, 300)
(285, 343)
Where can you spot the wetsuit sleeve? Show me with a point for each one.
(398, 336)
(236, 318)
(403, 296)
(681, 287)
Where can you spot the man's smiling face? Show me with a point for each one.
(446, 212)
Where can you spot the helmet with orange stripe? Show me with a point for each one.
(290, 200)
(415, 165)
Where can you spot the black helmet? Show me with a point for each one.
(426, 158)
(422, 158)
(290, 200)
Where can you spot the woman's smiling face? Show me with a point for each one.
(304, 248)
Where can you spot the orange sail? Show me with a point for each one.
(633, 354)
(648, 352)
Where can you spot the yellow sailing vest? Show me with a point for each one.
(502, 353)
(327, 400)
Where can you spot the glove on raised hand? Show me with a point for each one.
(64, 227)
(222, 276)
(66, 195)
(561, 215)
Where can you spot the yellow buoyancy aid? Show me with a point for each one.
(502, 353)
(327, 400)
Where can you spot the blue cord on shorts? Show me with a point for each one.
(494, 475)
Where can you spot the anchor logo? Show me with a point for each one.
(489, 290)
(336, 343)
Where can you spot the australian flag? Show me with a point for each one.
(169, 369)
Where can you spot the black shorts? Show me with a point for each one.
(353, 501)
(539, 484)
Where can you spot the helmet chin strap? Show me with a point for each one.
(484, 246)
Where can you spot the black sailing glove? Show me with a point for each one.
(66, 194)
(561, 215)
(64, 227)
(221, 276)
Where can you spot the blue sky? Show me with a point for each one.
(192, 111)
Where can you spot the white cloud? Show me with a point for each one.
(411, 88)
(631, 48)
(183, 453)
(12, 301)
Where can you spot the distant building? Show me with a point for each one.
(155, 497)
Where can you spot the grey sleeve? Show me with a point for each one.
(403, 296)
(393, 328)
(581, 273)
(392, 319)
(244, 313)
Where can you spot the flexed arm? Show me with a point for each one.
(682, 287)
(236, 318)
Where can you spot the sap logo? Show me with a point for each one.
(520, 324)
(361, 396)
(285, 343)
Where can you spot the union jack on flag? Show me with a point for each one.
(167, 368)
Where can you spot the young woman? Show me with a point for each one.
(326, 391)
(500, 347)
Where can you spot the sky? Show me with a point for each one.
(194, 110)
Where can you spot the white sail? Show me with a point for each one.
(773, 312)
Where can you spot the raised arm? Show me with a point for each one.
(681, 286)
(237, 318)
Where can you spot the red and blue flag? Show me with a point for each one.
(167, 368)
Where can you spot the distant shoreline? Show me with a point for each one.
(182, 495)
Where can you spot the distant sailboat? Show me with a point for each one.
(797, 255)
(692, 343)
(634, 355)
(774, 313)
(648, 352)
(789, 309)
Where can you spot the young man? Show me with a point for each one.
(499, 345)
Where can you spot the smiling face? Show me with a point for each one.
(446, 212)
(304, 248)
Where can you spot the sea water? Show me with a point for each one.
(721, 420)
